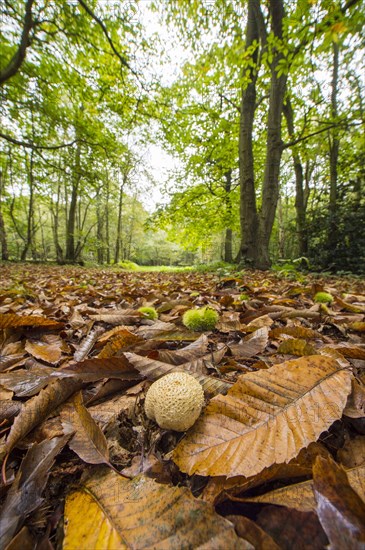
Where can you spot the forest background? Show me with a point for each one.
(243, 119)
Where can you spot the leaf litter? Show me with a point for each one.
(279, 445)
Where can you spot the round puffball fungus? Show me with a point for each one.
(174, 401)
(149, 312)
(201, 319)
(323, 298)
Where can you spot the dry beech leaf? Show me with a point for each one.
(192, 351)
(340, 509)
(301, 495)
(111, 512)
(121, 317)
(88, 441)
(352, 453)
(250, 531)
(267, 417)
(23, 540)
(259, 322)
(50, 353)
(349, 307)
(24, 495)
(87, 344)
(12, 320)
(292, 529)
(157, 330)
(296, 332)
(27, 382)
(251, 345)
(358, 326)
(39, 407)
(296, 346)
(153, 370)
(121, 340)
(221, 488)
(95, 369)
(347, 350)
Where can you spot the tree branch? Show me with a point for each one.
(31, 145)
(19, 56)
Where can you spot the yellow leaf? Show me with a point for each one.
(267, 417)
(296, 346)
(113, 512)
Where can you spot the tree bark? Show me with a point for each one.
(16, 61)
(118, 242)
(3, 238)
(274, 145)
(30, 218)
(333, 151)
(248, 209)
(228, 233)
(71, 219)
(300, 202)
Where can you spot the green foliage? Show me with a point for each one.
(323, 298)
(149, 312)
(128, 265)
(200, 319)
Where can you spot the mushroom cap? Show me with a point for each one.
(174, 401)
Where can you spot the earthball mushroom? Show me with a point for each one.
(174, 401)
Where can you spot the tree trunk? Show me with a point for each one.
(274, 145)
(248, 210)
(300, 202)
(3, 238)
(332, 238)
(71, 219)
(106, 214)
(228, 233)
(55, 227)
(30, 218)
(118, 242)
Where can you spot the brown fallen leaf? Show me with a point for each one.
(192, 351)
(88, 441)
(355, 406)
(340, 509)
(119, 341)
(301, 495)
(25, 494)
(296, 346)
(12, 320)
(267, 416)
(39, 407)
(296, 332)
(292, 529)
(352, 453)
(250, 531)
(111, 512)
(95, 369)
(50, 353)
(155, 369)
(87, 344)
(251, 345)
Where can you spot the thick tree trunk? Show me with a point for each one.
(99, 228)
(248, 210)
(274, 145)
(55, 227)
(71, 219)
(3, 238)
(228, 233)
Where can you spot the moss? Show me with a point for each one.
(244, 297)
(200, 319)
(323, 298)
(149, 312)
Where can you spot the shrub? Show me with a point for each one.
(126, 264)
(200, 319)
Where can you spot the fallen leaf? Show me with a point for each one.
(88, 441)
(12, 320)
(25, 494)
(340, 509)
(251, 345)
(267, 417)
(296, 346)
(109, 511)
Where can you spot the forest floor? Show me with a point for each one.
(276, 458)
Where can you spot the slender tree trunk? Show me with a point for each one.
(248, 210)
(118, 242)
(3, 238)
(300, 202)
(55, 227)
(106, 215)
(228, 257)
(71, 219)
(332, 238)
(30, 218)
(274, 145)
(99, 228)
